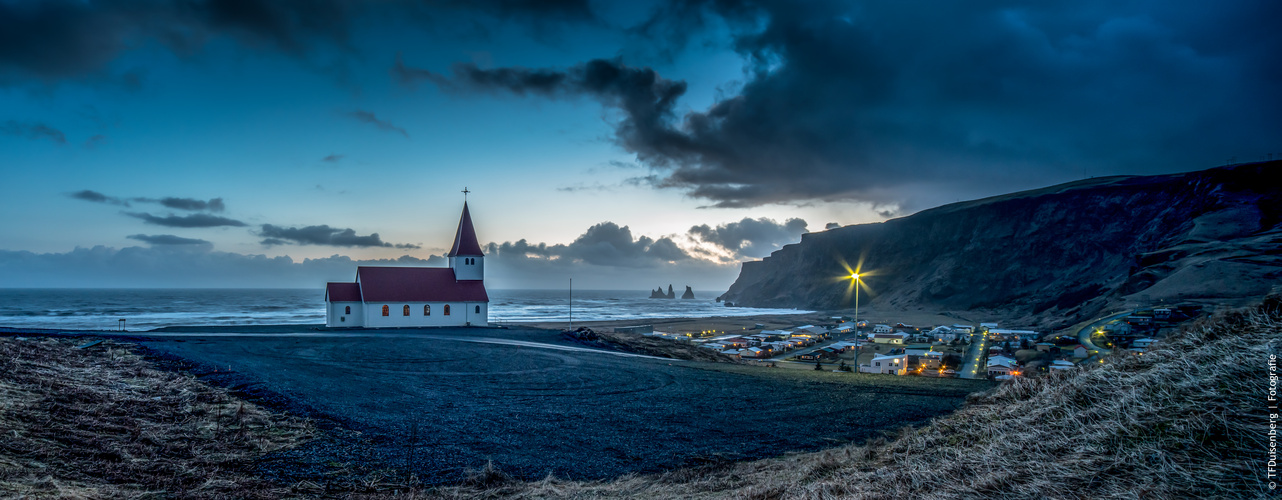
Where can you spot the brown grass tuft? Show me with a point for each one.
(103, 423)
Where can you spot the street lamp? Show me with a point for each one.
(855, 276)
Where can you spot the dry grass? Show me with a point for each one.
(1185, 420)
(103, 423)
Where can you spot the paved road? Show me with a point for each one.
(1084, 336)
(974, 365)
(532, 402)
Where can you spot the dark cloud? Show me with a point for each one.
(181, 266)
(606, 256)
(189, 204)
(322, 235)
(96, 197)
(604, 244)
(334, 158)
(751, 238)
(831, 225)
(193, 220)
(33, 131)
(167, 239)
(58, 39)
(193, 205)
(873, 101)
(368, 117)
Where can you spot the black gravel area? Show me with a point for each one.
(422, 401)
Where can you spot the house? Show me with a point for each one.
(999, 370)
(1044, 346)
(754, 352)
(716, 346)
(399, 297)
(734, 353)
(1061, 365)
(736, 342)
(987, 326)
(843, 328)
(1076, 351)
(963, 329)
(890, 338)
(882, 329)
(1143, 343)
(893, 365)
(1162, 313)
(1002, 360)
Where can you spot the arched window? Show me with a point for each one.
(478, 309)
(348, 310)
(447, 309)
(427, 310)
(386, 311)
(407, 310)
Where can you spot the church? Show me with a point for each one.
(401, 297)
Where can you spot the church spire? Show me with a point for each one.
(465, 239)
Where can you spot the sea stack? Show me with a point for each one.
(671, 294)
(689, 293)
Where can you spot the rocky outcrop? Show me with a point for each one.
(1050, 255)
(658, 293)
(689, 293)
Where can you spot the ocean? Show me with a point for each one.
(145, 309)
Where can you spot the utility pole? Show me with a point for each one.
(571, 303)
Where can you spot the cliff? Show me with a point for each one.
(1051, 255)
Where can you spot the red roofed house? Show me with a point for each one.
(396, 297)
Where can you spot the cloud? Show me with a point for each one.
(167, 239)
(886, 101)
(54, 40)
(323, 235)
(190, 204)
(334, 158)
(33, 131)
(751, 238)
(185, 266)
(606, 256)
(96, 197)
(368, 117)
(193, 220)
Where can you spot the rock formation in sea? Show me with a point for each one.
(1051, 256)
(658, 293)
(689, 293)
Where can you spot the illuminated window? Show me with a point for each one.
(478, 309)
(427, 310)
(348, 310)
(386, 311)
(447, 309)
(406, 311)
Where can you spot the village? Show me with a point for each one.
(971, 351)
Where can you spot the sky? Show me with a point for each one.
(246, 143)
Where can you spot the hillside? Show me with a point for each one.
(1187, 419)
(1054, 255)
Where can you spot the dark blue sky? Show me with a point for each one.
(626, 143)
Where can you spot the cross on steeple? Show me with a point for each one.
(465, 191)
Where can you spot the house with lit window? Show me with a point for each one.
(411, 297)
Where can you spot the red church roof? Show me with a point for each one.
(418, 284)
(343, 292)
(465, 240)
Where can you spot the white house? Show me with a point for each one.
(399, 297)
(894, 365)
(882, 329)
(963, 328)
(890, 338)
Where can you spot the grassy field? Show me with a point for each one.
(1185, 420)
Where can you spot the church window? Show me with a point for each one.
(348, 310)
(407, 310)
(447, 309)
(478, 309)
(427, 309)
(386, 311)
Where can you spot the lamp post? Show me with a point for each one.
(855, 276)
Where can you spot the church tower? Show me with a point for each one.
(466, 258)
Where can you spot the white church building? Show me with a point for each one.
(400, 297)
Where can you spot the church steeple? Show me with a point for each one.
(465, 239)
(466, 258)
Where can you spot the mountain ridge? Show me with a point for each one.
(1050, 256)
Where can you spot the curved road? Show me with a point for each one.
(1084, 335)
